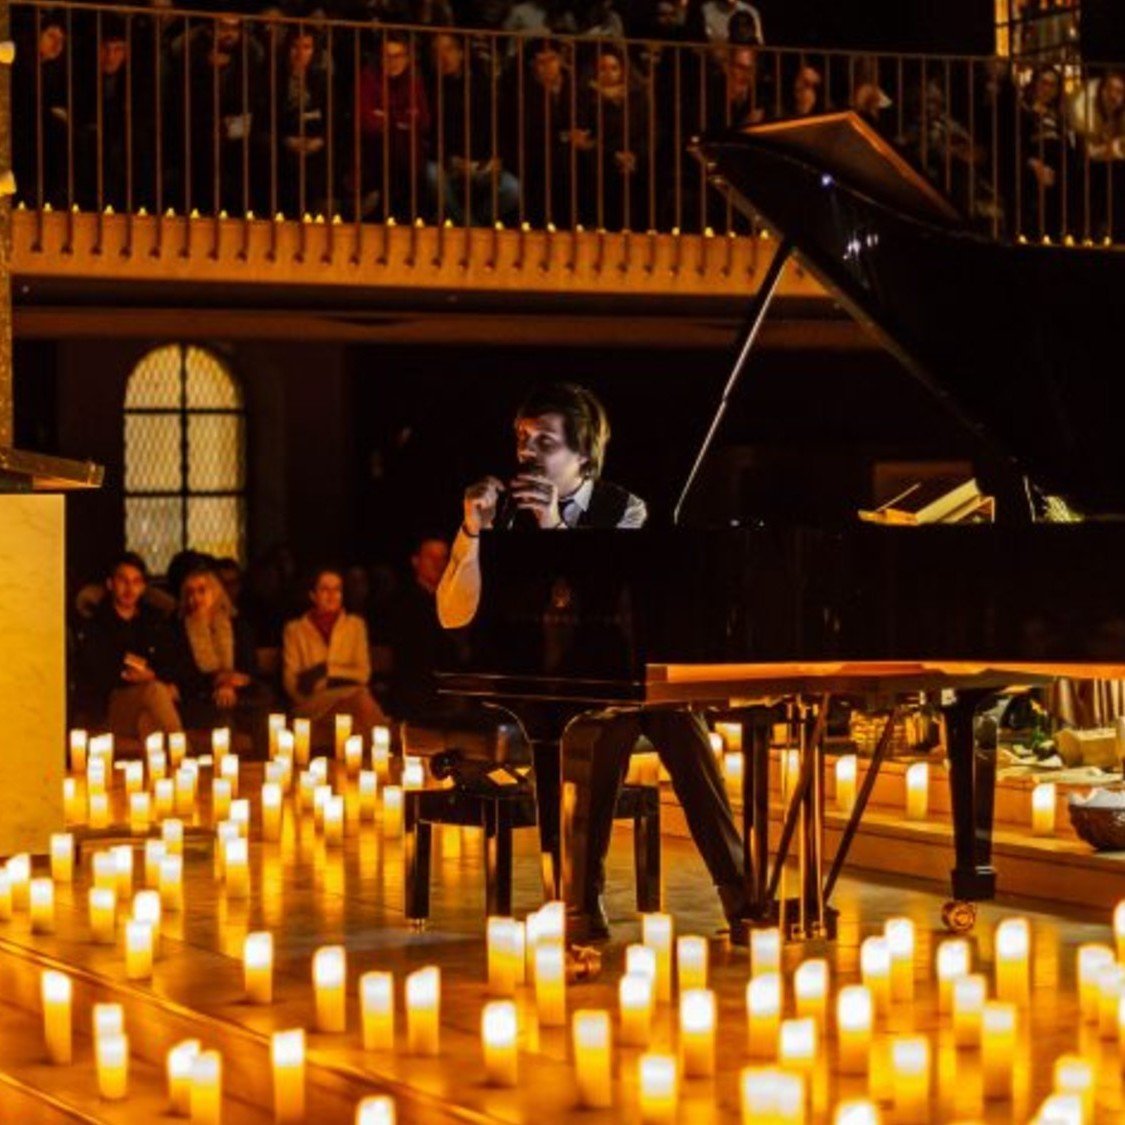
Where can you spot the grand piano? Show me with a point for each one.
(768, 623)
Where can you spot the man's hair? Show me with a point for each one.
(128, 558)
(585, 422)
(317, 572)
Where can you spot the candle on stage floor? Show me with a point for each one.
(810, 986)
(969, 995)
(413, 773)
(229, 772)
(220, 743)
(41, 904)
(172, 833)
(855, 1018)
(334, 822)
(1043, 804)
(502, 967)
(157, 766)
(257, 967)
(177, 748)
(74, 811)
(111, 1054)
(954, 959)
(237, 868)
(1076, 1075)
(697, 1032)
(899, 933)
(302, 742)
(910, 1079)
(134, 777)
(185, 783)
(286, 748)
(5, 896)
(140, 813)
(104, 870)
(271, 811)
(138, 950)
(797, 1045)
(1119, 929)
(765, 951)
(123, 866)
(103, 915)
(329, 983)
(692, 956)
(78, 746)
(636, 999)
(378, 1109)
(164, 798)
(423, 1011)
(147, 908)
(771, 1096)
(1013, 961)
(172, 883)
(206, 1098)
(97, 809)
(875, 969)
(1111, 986)
(657, 933)
(287, 1054)
(62, 857)
(641, 960)
(592, 1040)
(499, 1033)
(381, 751)
(353, 754)
(998, 1048)
(392, 811)
(180, 1059)
(368, 788)
(275, 724)
(343, 733)
(917, 790)
(847, 767)
(55, 991)
(19, 878)
(658, 1089)
(377, 1010)
(107, 1019)
(858, 1112)
(550, 983)
(763, 1014)
(240, 816)
(97, 776)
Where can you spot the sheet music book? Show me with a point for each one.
(937, 500)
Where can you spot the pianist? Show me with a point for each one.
(561, 434)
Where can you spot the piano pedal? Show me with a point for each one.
(959, 916)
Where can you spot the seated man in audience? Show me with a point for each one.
(326, 661)
(124, 658)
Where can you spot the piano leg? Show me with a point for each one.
(757, 727)
(547, 763)
(972, 781)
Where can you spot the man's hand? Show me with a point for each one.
(137, 670)
(538, 495)
(225, 698)
(480, 504)
(310, 677)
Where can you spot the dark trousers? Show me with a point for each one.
(595, 759)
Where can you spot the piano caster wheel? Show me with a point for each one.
(959, 917)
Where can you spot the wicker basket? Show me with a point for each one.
(1102, 828)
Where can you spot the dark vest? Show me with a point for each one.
(608, 503)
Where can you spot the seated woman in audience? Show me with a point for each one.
(215, 658)
(326, 662)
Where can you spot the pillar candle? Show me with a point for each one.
(1076, 1075)
(111, 1053)
(206, 1097)
(499, 1033)
(271, 811)
(334, 822)
(78, 746)
(692, 956)
(19, 877)
(763, 1013)
(104, 870)
(998, 1048)
(353, 754)
(343, 733)
(229, 772)
(172, 833)
(73, 807)
(185, 781)
(969, 993)
(797, 1044)
(329, 982)
(910, 1079)
(765, 951)
(103, 915)
(1043, 804)
(855, 1016)
(954, 959)
(1013, 961)
(138, 950)
(636, 999)
(177, 748)
(97, 809)
(377, 1109)
(134, 777)
(5, 895)
(550, 983)
(846, 770)
(810, 986)
(368, 789)
(62, 857)
(771, 1096)
(1111, 986)
(381, 751)
(275, 724)
(155, 851)
(287, 1054)
(658, 1089)
(157, 766)
(140, 813)
(96, 777)
(220, 743)
(697, 1033)
(220, 799)
(172, 883)
(302, 742)
(180, 1060)
(147, 908)
(306, 790)
(657, 933)
(42, 906)
(917, 790)
(423, 1011)
(123, 866)
(224, 833)
(240, 816)
(875, 968)
(377, 1009)
(392, 811)
(237, 869)
(164, 798)
(592, 1040)
(257, 967)
(899, 933)
(55, 990)
(502, 969)
(413, 773)
(1119, 930)
(286, 747)
(641, 960)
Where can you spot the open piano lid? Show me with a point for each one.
(1013, 339)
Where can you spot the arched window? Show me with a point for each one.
(185, 457)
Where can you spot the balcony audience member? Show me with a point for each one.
(466, 174)
(125, 658)
(717, 17)
(1043, 146)
(302, 95)
(1097, 114)
(326, 662)
(539, 17)
(598, 19)
(40, 107)
(808, 92)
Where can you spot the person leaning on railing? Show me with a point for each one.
(302, 114)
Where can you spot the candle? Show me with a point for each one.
(1043, 803)
(181, 1058)
(343, 733)
(697, 1033)
(96, 776)
(910, 1079)
(164, 798)
(155, 851)
(636, 998)
(329, 981)
(846, 770)
(875, 969)
(858, 1112)
(78, 748)
(123, 867)
(271, 811)
(917, 790)
(763, 1013)
(1075, 1075)
(1119, 929)
(224, 834)
(55, 989)
(353, 754)
(641, 961)
(969, 994)
(146, 908)
(257, 967)
(185, 782)
(392, 811)
(177, 748)
(550, 983)
(413, 773)
(810, 986)
(378, 1109)
(287, 1053)
(140, 813)
(423, 1011)
(240, 816)
(499, 1033)
(656, 933)
(855, 1017)
(220, 799)
(172, 883)
(73, 809)
(220, 743)
(111, 1053)
(302, 742)
(368, 788)
(377, 1008)
(592, 1040)
(334, 822)
(237, 868)
(5, 895)
(103, 915)
(138, 950)
(172, 833)
(286, 750)
(19, 876)
(691, 962)
(104, 870)
(1092, 959)
(62, 857)
(97, 809)
(797, 1043)
(954, 959)
(772, 1096)
(1013, 966)
(899, 933)
(134, 777)
(658, 1089)
(157, 765)
(765, 951)
(42, 906)
(381, 751)
(228, 771)
(275, 724)
(502, 951)
(1111, 980)
(998, 1048)
(206, 1097)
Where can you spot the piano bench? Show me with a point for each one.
(478, 736)
(499, 815)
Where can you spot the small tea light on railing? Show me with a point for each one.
(1013, 961)
(343, 733)
(697, 1032)
(765, 951)
(111, 1053)
(733, 769)
(138, 950)
(657, 933)
(103, 915)
(179, 1062)
(257, 967)
(592, 1044)
(658, 1089)
(1076, 1075)
(810, 986)
(329, 983)
(423, 1011)
(206, 1097)
(287, 1054)
(636, 1000)
(1092, 959)
(855, 1017)
(56, 995)
(846, 771)
(954, 959)
(550, 982)
(172, 833)
(692, 956)
(140, 813)
(969, 995)
(353, 754)
(79, 740)
(271, 811)
(917, 790)
(377, 1010)
(763, 1014)
(499, 1033)
(998, 1048)
(910, 1079)
(172, 883)
(875, 970)
(503, 970)
(302, 742)
(899, 933)
(62, 857)
(41, 904)
(1043, 805)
